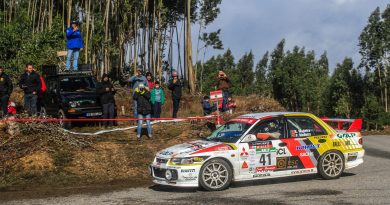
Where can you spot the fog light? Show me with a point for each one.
(168, 174)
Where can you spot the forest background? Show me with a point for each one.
(122, 35)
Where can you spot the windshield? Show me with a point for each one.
(77, 84)
(229, 132)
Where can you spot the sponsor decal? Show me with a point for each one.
(243, 153)
(166, 153)
(301, 133)
(244, 120)
(288, 163)
(320, 137)
(188, 171)
(263, 147)
(261, 175)
(244, 165)
(265, 169)
(281, 151)
(302, 171)
(190, 178)
(311, 146)
(336, 144)
(346, 135)
(306, 154)
(281, 163)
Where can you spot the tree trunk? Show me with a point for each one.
(69, 12)
(87, 32)
(191, 80)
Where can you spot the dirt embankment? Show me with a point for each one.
(42, 159)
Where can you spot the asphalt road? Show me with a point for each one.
(367, 184)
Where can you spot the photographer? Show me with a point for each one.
(142, 97)
(5, 90)
(175, 87)
(223, 83)
(107, 92)
(30, 83)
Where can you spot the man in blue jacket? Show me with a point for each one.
(74, 42)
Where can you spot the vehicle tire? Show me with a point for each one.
(215, 175)
(65, 125)
(331, 165)
(43, 113)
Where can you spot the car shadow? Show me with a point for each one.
(310, 177)
(282, 180)
(164, 188)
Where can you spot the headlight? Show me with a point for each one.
(188, 160)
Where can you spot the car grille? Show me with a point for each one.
(160, 173)
(162, 161)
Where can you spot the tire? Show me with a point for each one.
(331, 165)
(43, 113)
(215, 175)
(65, 125)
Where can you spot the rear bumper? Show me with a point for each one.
(353, 159)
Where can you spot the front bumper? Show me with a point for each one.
(95, 112)
(183, 176)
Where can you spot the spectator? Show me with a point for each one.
(207, 107)
(74, 43)
(107, 92)
(136, 80)
(149, 77)
(157, 98)
(142, 96)
(11, 108)
(223, 84)
(175, 87)
(40, 100)
(6, 88)
(30, 82)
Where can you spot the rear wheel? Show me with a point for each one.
(215, 175)
(331, 165)
(61, 115)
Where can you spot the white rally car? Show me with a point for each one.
(259, 146)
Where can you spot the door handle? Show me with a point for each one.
(282, 144)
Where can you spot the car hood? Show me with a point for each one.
(192, 148)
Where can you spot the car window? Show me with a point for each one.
(51, 84)
(229, 132)
(304, 127)
(275, 127)
(77, 84)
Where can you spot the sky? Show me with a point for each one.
(320, 25)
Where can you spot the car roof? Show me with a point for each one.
(267, 114)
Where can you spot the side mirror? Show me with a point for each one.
(249, 138)
(262, 136)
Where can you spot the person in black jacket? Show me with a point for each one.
(107, 92)
(144, 109)
(6, 88)
(30, 83)
(175, 87)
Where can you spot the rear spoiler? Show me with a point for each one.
(349, 125)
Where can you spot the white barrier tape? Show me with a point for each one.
(117, 129)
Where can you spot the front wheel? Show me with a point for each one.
(215, 175)
(331, 165)
(63, 124)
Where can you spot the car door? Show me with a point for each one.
(260, 158)
(302, 130)
(51, 98)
